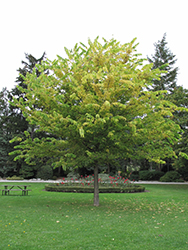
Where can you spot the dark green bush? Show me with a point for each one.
(156, 175)
(144, 175)
(76, 189)
(183, 171)
(170, 176)
(148, 175)
(45, 173)
(134, 176)
(27, 171)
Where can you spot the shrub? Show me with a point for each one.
(148, 175)
(170, 176)
(45, 172)
(134, 176)
(183, 171)
(156, 175)
(14, 177)
(144, 175)
(27, 171)
(77, 189)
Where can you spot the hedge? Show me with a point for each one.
(75, 189)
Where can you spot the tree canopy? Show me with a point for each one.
(97, 105)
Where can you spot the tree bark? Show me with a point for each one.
(96, 187)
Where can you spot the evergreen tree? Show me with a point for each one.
(165, 60)
(13, 123)
(7, 164)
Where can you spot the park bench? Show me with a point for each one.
(9, 188)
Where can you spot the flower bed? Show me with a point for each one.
(115, 184)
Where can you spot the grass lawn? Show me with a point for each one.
(157, 219)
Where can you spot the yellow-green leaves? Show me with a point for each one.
(96, 100)
(81, 131)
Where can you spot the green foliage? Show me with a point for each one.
(180, 98)
(144, 175)
(14, 177)
(45, 172)
(28, 171)
(183, 171)
(134, 176)
(78, 189)
(170, 176)
(164, 59)
(96, 106)
(148, 175)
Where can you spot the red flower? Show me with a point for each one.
(62, 182)
(116, 184)
(81, 175)
(133, 179)
(88, 183)
(82, 184)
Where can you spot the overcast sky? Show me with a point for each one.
(44, 25)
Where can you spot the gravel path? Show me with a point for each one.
(59, 180)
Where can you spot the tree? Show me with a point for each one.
(18, 123)
(96, 103)
(7, 164)
(164, 59)
(13, 123)
(180, 98)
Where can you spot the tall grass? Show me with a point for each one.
(157, 219)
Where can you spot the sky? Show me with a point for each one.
(39, 26)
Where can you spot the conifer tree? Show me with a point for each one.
(165, 60)
(12, 121)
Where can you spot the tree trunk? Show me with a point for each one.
(96, 187)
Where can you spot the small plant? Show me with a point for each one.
(14, 177)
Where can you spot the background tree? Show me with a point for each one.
(13, 123)
(164, 60)
(180, 98)
(96, 104)
(6, 165)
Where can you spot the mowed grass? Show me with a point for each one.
(157, 219)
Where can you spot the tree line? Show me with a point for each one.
(95, 112)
